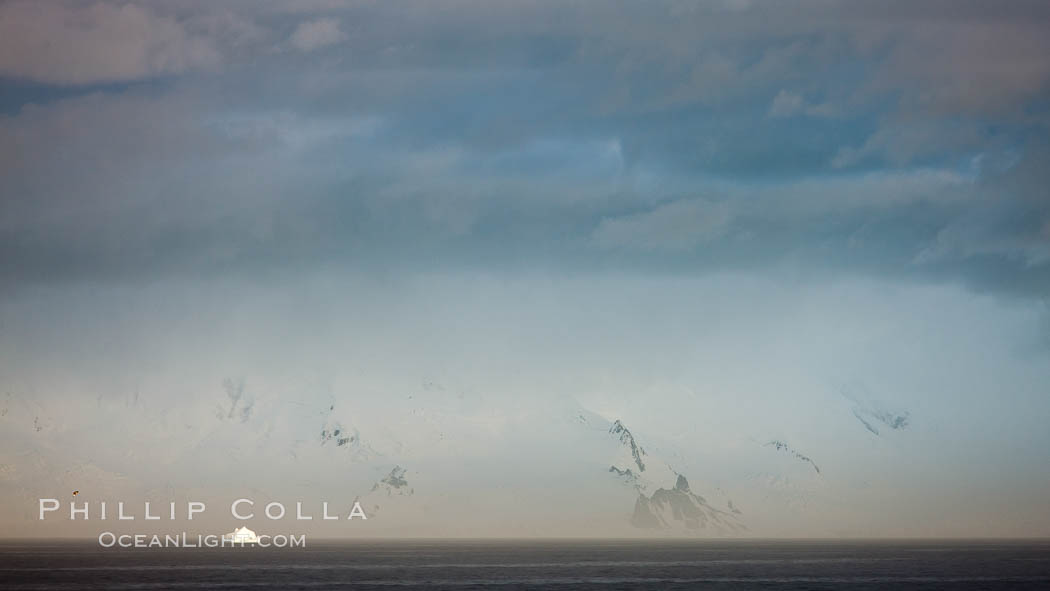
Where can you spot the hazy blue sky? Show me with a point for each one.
(723, 222)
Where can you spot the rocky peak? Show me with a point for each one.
(681, 484)
(626, 438)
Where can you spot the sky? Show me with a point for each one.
(721, 222)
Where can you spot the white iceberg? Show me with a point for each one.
(241, 535)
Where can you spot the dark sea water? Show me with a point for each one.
(535, 565)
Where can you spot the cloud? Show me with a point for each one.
(311, 35)
(1009, 223)
(786, 104)
(789, 104)
(904, 142)
(71, 44)
(961, 66)
(519, 132)
(677, 226)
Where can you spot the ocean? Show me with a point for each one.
(480, 564)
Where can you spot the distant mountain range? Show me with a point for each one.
(438, 452)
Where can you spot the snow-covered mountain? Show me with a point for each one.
(664, 499)
(434, 461)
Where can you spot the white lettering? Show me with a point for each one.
(194, 507)
(357, 511)
(112, 539)
(73, 511)
(324, 509)
(275, 504)
(53, 506)
(236, 515)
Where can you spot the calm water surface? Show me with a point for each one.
(535, 565)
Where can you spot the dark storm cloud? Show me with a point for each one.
(200, 137)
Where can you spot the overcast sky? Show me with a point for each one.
(907, 140)
(625, 203)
